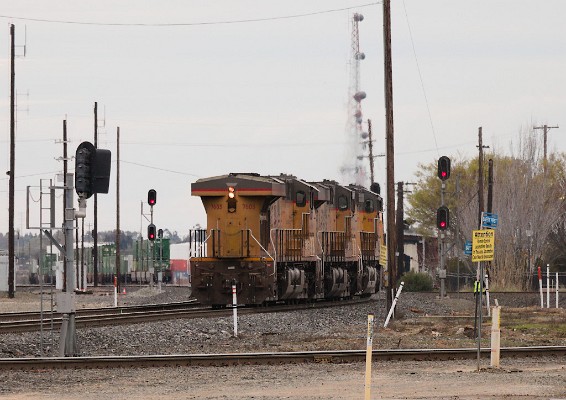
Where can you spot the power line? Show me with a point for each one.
(173, 24)
(157, 168)
(420, 77)
(177, 144)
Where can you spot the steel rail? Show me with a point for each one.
(269, 358)
(159, 314)
(34, 315)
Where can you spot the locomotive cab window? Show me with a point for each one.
(342, 202)
(368, 206)
(301, 198)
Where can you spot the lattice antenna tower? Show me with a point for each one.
(353, 169)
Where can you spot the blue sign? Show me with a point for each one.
(468, 248)
(489, 220)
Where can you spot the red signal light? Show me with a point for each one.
(442, 218)
(444, 168)
(151, 197)
(151, 232)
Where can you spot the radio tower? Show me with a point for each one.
(353, 169)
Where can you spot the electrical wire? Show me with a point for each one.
(173, 24)
(421, 78)
(157, 168)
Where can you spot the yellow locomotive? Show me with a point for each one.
(279, 238)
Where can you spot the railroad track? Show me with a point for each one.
(31, 322)
(31, 315)
(269, 358)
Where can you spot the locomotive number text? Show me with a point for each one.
(249, 206)
(216, 206)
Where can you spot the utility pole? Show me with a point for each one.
(400, 231)
(118, 205)
(11, 255)
(95, 229)
(545, 129)
(390, 149)
(480, 176)
(64, 203)
(490, 185)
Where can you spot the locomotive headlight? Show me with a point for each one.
(231, 200)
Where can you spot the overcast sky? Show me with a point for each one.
(204, 88)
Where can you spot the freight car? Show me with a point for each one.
(280, 238)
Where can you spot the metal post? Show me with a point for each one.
(393, 305)
(487, 296)
(151, 263)
(160, 262)
(369, 346)
(69, 308)
(556, 285)
(235, 310)
(540, 287)
(547, 286)
(442, 272)
(115, 291)
(480, 312)
(495, 335)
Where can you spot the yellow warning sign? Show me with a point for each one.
(483, 245)
(383, 255)
(383, 263)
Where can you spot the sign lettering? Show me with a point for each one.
(483, 245)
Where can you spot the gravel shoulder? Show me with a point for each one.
(422, 321)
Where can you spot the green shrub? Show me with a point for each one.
(417, 282)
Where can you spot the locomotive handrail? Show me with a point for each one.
(318, 238)
(274, 250)
(360, 260)
(197, 248)
(259, 244)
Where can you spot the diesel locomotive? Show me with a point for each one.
(280, 238)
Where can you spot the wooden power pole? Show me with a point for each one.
(95, 230)
(390, 152)
(11, 211)
(118, 206)
(480, 176)
(545, 129)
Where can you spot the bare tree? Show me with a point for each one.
(528, 200)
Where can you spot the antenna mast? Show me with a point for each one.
(353, 168)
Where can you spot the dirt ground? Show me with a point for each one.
(414, 327)
(526, 379)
